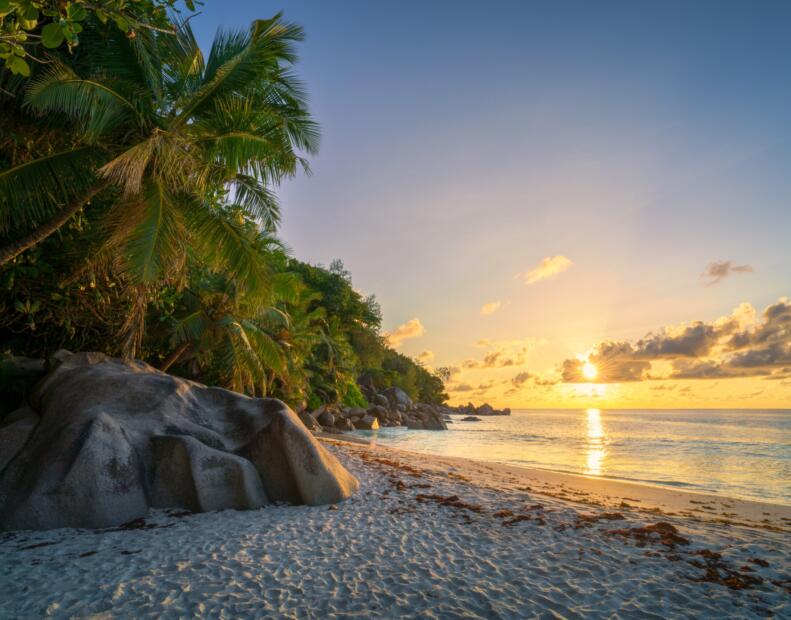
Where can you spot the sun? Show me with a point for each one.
(589, 371)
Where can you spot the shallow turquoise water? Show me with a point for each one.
(737, 453)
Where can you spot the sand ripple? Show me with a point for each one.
(385, 554)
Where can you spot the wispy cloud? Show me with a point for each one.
(502, 353)
(426, 357)
(719, 270)
(461, 387)
(521, 378)
(548, 268)
(491, 307)
(411, 329)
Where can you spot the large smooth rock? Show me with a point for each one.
(344, 424)
(354, 412)
(309, 421)
(17, 428)
(379, 412)
(113, 439)
(326, 418)
(367, 423)
(381, 400)
(397, 397)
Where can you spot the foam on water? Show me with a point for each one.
(736, 453)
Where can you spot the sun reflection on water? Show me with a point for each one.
(596, 437)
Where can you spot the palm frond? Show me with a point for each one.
(275, 318)
(239, 61)
(127, 170)
(94, 102)
(31, 191)
(240, 359)
(155, 249)
(183, 62)
(190, 327)
(226, 245)
(255, 199)
(266, 349)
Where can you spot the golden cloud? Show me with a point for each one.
(502, 353)
(737, 345)
(548, 268)
(411, 329)
(490, 308)
(426, 357)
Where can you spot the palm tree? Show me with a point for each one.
(224, 324)
(215, 328)
(176, 144)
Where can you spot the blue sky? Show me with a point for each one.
(464, 142)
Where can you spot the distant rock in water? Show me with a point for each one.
(102, 441)
(470, 418)
(485, 410)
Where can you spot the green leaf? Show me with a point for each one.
(5, 7)
(76, 13)
(52, 35)
(18, 66)
(31, 13)
(121, 22)
(28, 19)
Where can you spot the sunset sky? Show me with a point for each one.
(540, 185)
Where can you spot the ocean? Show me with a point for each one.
(735, 453)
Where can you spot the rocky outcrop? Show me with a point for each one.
(325, 418)
(483, 410)
(394, 407)
(397, 398)
(100, 441)
(367, 423)
(309, 421)
(416, 416)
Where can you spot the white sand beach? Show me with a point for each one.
(428, 537)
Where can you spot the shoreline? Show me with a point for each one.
(603, 491)
(425, 536)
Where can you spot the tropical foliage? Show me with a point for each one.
(26, 24)
(138, 217)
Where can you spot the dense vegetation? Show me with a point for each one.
(138, 215)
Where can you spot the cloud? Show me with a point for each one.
(719, 270)
(707, 369)
(502, 353)
(615, 362)
(738, 345)
(521, 378)
(490, 308)
(663, 387)
(426, 357)
(411, 329)
(461, 387)
(549, 267)
(693, 340)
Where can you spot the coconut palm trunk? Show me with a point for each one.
(14, 249)
(175, 355)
